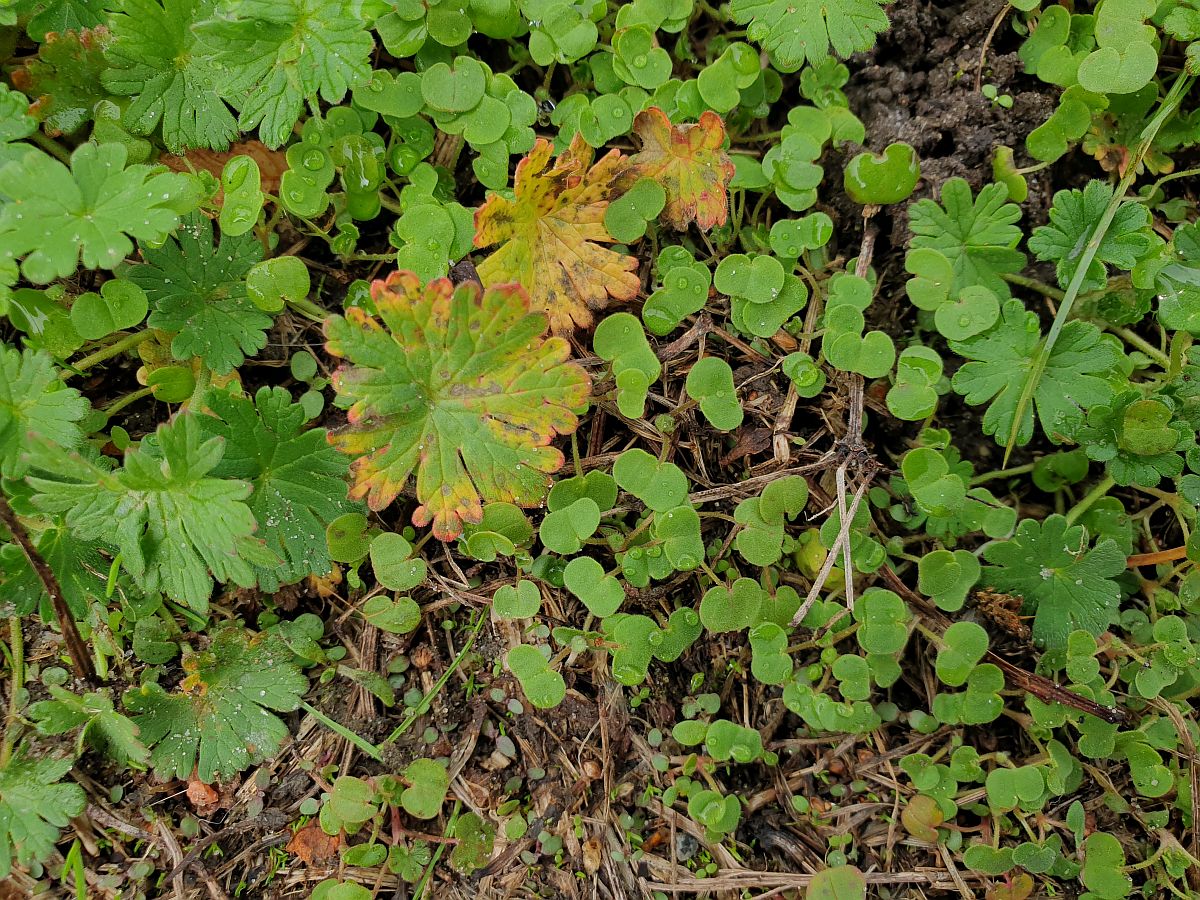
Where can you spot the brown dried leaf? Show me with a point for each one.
(312, 845)
(203, 797)
(689, 162)
(271, 163)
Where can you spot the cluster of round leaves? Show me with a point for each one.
(762, 293)
(684, 285)
(1100, 60)
(845, 345)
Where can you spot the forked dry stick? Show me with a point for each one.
(852, 451)
(844, 524)
(831, 556)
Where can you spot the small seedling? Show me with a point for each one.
(710, 383)
(543, 686)
(519, 601)
(620, 340)
(884, 178)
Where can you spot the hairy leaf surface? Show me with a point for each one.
(34, 805)
(221, 718)
(152, 60)
(795, 31)
(1068, 584)
(1073, 221)
(1000, 358)
(33, 400)
(197, 289)
(176, 527)
(978, 235)
(58, 218)
(273, 55)
(299, 480)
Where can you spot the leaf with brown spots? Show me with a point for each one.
(551, 234)
(690, 164)
(63, 80)
(222, 718)
(457, 385)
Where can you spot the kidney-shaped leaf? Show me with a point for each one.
(455, 384)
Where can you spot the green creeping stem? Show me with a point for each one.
(1169, 102)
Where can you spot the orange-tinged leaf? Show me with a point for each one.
(690, 164)
(203, 798)
(312, 845)
(551, 235)
(456, 384)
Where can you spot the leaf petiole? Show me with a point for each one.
(1090, 498)
(1034, 375)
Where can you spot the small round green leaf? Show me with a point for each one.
(880, 179)
(118, 306)
(272, 282)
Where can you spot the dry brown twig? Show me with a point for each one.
(1041, 687)
(851, 451)
(987, 42)
(1185, 736)
(76, 649)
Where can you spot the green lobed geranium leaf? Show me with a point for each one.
(34, 804)
(978, 235)
(177, 527)
(267, 58)
(58, 218)
(153, 59)
(1072, 382)
(1073, 220)
(298, 480)
(796, 31)
(222, 717)
(1068, 584)
(34, 401)
(197, 290)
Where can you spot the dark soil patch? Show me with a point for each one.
(918, 85)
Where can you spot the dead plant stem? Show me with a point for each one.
(17, 649)
(76, 649)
